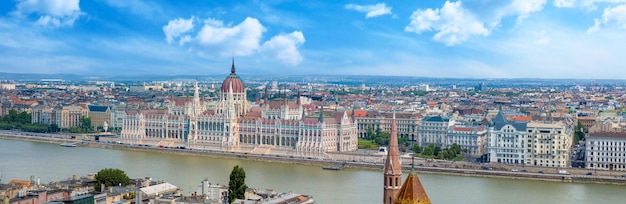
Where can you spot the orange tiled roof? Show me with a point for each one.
(519, 118)
(358, 113)
(23, 183)
(412, 191)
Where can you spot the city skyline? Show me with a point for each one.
(456, 39)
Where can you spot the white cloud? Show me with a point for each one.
(564, 3)
(243, 39)
(587, 4)
(55, 13)
(523, 8)
(613, 17)
(371, 11)
(175, 28)
(285, 47)
(453, 23)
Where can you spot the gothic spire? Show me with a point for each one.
(392, 169)
(232, 68)
(321, 118)
(298, 98)
(267, 96)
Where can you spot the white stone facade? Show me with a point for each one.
(548, 144)
(606, 151)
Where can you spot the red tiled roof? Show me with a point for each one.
(358, 113)
(519, 118)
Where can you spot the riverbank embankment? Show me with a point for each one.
(457, 170)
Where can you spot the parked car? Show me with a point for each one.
(514, 170)
(589, 174)
(487, 168)
(524, 170)
(541, 172)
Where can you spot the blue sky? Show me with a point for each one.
(465, 38)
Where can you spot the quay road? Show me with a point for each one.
(355, 161)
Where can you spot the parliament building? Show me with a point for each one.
(233, 124)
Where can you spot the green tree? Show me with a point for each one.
(416, 148)
(85, 123)
(111, 177)
(54, 128)
(429, 150)
(237, 184)
(456, 148)
(579, 132)
(436, 150)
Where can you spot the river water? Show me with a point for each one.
(51, 162)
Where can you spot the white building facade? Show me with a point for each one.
(506, 140)
(606, 151)
(472, 138)
(433, 130)
(548, 144)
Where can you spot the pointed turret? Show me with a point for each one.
(231, 107)
(321, 117)
(196, 94)
(393, 169)
(353, 116)
(412, 191)
(285, 97)
(298, 98)
(232, 68)
(266, 97)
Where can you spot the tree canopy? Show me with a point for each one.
(432, 151)
(111, 177)
(22, 121)
(237, 184)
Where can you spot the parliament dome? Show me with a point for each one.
(233, 80)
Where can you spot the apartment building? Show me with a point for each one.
(472, 138)
(506, 140)
(548, 144)
(433, 130)
(407, 123)
(100, 115)
(606, 151)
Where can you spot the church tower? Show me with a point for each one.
(393, 169)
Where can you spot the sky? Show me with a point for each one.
(577, 39)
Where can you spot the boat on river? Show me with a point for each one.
(73, 144)
(335, 167)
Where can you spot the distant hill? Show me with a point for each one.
(327, 79)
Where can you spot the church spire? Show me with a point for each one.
(392, 169)
(232, 68)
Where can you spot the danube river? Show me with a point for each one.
(51, 162)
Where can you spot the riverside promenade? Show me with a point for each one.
(359, 159)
